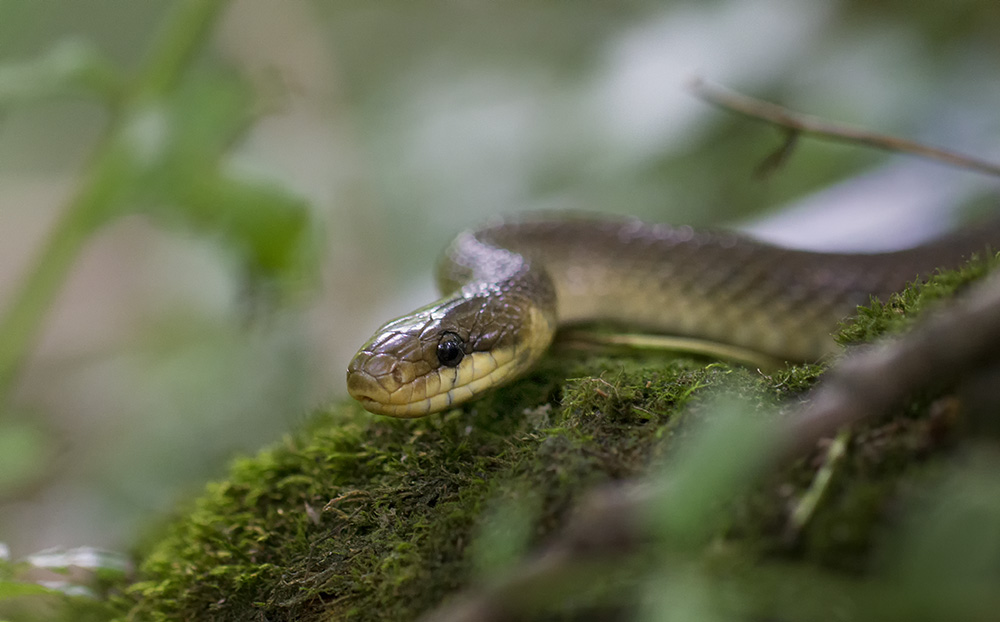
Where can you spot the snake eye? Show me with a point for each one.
(450, 350)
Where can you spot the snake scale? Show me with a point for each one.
(508, 286)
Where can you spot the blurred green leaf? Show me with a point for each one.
(680, 597)
(15, 589)
(506, 534)
(24, 450)
(171, 144)
(948, 559)
(182, 178)
(709, 472)
(204, 117)
(266, 223)
(28, 602)
(72, 66)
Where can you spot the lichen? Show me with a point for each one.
(357, 517)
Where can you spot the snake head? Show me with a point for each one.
(448, 352)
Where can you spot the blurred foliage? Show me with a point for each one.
(186, 181)
(25, 451)
(473, 110)
(30, 593)
(165, 151)
(70, 68)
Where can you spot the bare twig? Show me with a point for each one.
(796, 123)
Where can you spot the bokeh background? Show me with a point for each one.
(399, 124)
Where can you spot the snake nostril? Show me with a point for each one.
(397, 375)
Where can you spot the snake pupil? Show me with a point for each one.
(450, 350)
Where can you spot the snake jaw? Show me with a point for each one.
(438, 391)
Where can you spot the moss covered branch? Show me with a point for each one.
(366, 518)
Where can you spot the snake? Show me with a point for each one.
(509, 285)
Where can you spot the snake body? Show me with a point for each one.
(509, 285)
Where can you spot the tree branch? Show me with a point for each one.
(796, 123)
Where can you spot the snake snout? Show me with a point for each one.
(386, 384)
(361, 384)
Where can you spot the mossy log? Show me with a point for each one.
(358, 517)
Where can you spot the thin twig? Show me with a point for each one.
(806, 506)
(797, 123)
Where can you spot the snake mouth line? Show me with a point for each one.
(495, 368)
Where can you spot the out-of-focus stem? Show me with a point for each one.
(184, 31)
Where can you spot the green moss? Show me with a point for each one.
(368, 518)
(898, 313)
